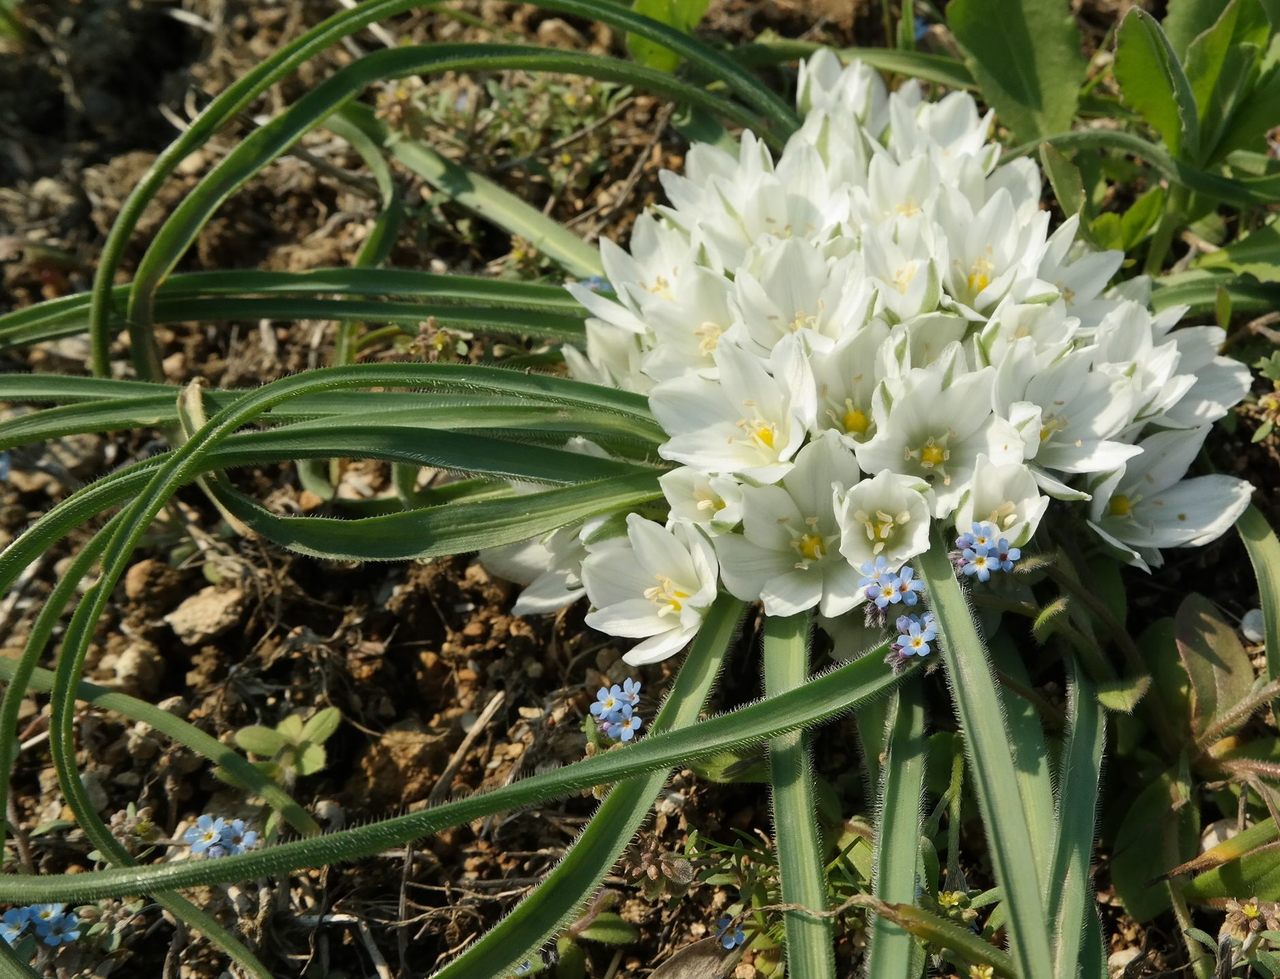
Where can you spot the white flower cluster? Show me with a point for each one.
(871, 333)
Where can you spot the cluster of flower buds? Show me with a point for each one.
(614, 710)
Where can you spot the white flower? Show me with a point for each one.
(747, 422)
(713, 503)
(549, 568)
(656, 587)
(933, 423)
(1220, 382)
(852, 93)
(885, 516)
(1006, 496)
(1147, 505)
(788, 553)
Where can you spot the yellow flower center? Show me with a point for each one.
(1120, 506)
(933, 455)
(903, 278)
(708, 335)
(811, 547)
(765, 435)
(709, 501)
(854, 420)
(666, 595)
(979, 275)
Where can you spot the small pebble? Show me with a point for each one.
(1252, 626)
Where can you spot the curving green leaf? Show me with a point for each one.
(1029, 69)
(822, 698)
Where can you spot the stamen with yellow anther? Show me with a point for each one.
(880, 526)
(932, 456)
(667, 595)
(708, 502)
(759, 433)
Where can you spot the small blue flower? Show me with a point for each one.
(910, 588)
(62, 929)
(980, 539)
(206, 836)
(37, 913)
(607, 703)
(871, 571)
(917, 632)
(977, 563)
(1006, 556)
(236, 839)
(623, 725)
(630, 692)
(729, 936)
(13, 923)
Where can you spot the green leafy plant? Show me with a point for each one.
(1030, 768)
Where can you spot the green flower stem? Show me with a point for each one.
(568, 887)
(810, 938)
(987, 742)
(893, 951)
(823, 697)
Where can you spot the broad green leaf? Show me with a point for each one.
(259, 740)
(1153, 82)
(321, 725)
(1222, 67)
(290, 728)
(1198, 288)
(1123, 232)
(1254, 874)
(1256, 254)
(683, 15)
(311, 759)
(610, 929)
(1218, 667)
(1160, 830)
(1188, 19)
(1026, 58)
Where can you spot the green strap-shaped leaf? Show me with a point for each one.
(893, 950)
(456, 528)
(1026, 58)
(821, 698)
(241, 94)
(1264, 553)
(275, 137)
(810, 938)
(594, 853)
(1153, 82)
(987, 744)
(1071, 905)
